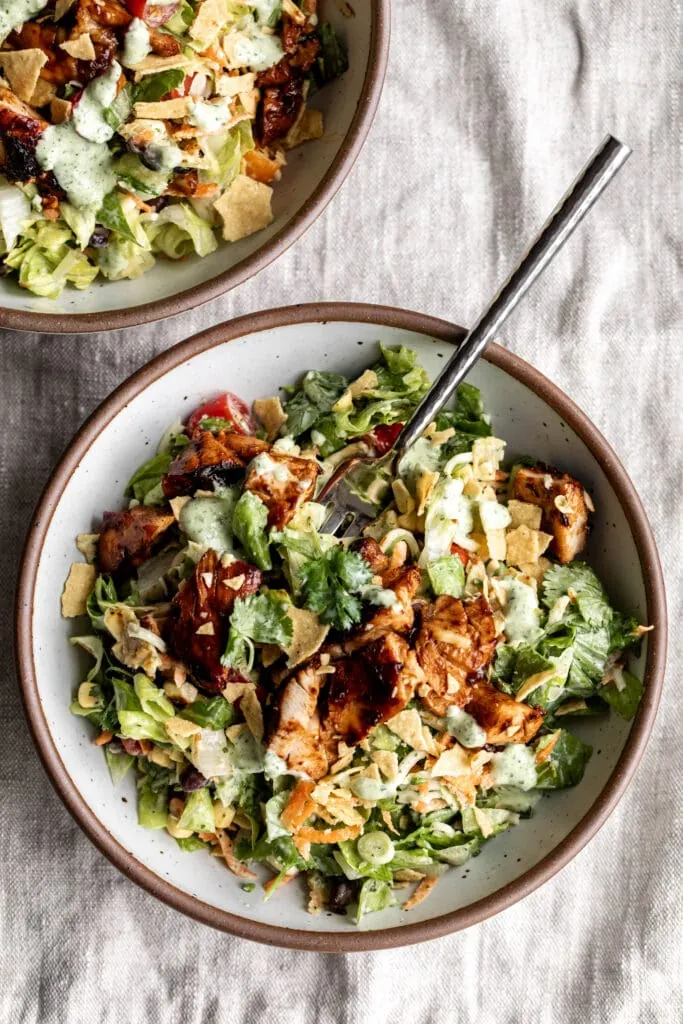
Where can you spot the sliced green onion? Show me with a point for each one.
(376, 848)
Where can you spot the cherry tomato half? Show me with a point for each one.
(225, 407)
(383, 437)
(462, 553)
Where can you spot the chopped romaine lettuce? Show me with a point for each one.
(250, 524)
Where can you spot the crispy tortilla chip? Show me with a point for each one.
(80, 581)
(309, 126)
(43, 93)
(61, 7)
(81, 48)
(271, 414)
(308, 635)
(387, 762)
(22, 70)
(87, 545)
(233, 85)
(244, 208)
(250, 707)
(525, 545)
(453, 762)
(164, 110)
(495, 542)
(523, 513)
(153, 64)
(408, 726)
(211, 17)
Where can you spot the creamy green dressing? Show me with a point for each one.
(514, 766)
(208, 521)
(449, 519)
(379, 596)
(82, 168)
(264, 466)
(88, 113)
(465, 728)
(137, 44)
(209, 117)
(14, 13)
(253, 48)
(522, 614)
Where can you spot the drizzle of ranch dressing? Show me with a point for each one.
(14, 13)
(82, 168)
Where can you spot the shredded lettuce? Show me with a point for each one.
(177, 231)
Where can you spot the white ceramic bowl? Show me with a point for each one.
(313, 175)
(254, 357)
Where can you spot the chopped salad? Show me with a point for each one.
(133, 129)
(361, 713)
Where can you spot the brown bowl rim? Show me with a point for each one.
(190, 298)
(404, 934)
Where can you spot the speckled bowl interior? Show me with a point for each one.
(267, 353)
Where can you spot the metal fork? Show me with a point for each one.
(350, 513)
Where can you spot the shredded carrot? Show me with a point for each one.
(207, 837)
(235, 865)
(103, 738)
(260, 167)
(328, 835)
(544, 754)
(421, 893)
(300, 805)
(386, 818)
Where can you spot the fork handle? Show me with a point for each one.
(591, 182)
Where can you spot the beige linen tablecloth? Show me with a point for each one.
(489, 109)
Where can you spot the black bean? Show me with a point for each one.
(99, 237)
(342, 892)
(191, 780)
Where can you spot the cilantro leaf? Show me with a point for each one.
(261, 619)
(331, 584)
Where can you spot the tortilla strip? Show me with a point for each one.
(22, 70)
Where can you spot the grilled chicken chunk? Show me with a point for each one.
(20, 131)
(456, 641)
(565, 513)
(399, 617)
(370, 551)
(368, 687)
(204, 462)
(296, 736)
(127, 538)
(319, 709)
(283, 483)
(504, 719)
(197, 627)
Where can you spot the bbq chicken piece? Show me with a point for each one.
(127, 538)
(370, 551)
(505, 719)
(398, 617)
(456, 641)
(296, 737)
(197, 627)
(204, 462)
(283, 483)
(565, 512)
(323, 706)
(20, 131)
(368, 687)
